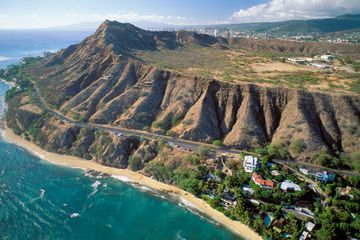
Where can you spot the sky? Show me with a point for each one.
(29, 14)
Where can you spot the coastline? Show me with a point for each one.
(136, 178)
(10, 84)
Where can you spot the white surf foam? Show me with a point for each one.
(121, 178)
(3, 58)
(74, 215)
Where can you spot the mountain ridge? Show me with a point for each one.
(100, 81)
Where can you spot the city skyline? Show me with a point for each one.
(21, 14)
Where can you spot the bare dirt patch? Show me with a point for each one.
(25, 100)
(31, 108)
(280, 67)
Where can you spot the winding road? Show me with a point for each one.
(186, 144)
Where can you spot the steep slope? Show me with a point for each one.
(100, 81)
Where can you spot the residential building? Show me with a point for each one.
(297, 60)
(327, 58)
(275, 173)
(278, 224)
(247, 189)
(250, 163)
(305, 235)
(325, 177)
(289, 186)
(258, 180)
(309, 226)
(319, 65)
(345, 191)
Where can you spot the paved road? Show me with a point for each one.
(192, 145)
(319, 168)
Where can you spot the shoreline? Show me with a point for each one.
(10, 84)
(132, 177)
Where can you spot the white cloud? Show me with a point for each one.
(30, 16)
(277, 10)
(128, 16)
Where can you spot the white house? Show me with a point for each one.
(309, 226)
(297, 60)
(248, 189)
(327, 58)
(250, 163)
(289, 185)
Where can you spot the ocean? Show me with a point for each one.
(16, 44)
(40, 200)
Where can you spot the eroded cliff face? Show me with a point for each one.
(94, 81)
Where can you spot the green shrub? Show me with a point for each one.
(135, 163)
(170, 133)
(217, 143)
(203, 151)
(297, 146)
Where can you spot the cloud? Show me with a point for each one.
(277, 10)
(30, 16)
(129, 16)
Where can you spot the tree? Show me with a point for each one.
(217, 172)
(297, 146)
(217, 143)
(257, 223)
(189, 180)
(327, 230)
(203, 151)
(135, 163)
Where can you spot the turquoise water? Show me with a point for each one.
(16, 44)
(39, 200)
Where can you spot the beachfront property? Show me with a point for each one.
(250, 163)
(288, 186)
(258, 180)
(228, 199)
(325, 177)
(279, 224)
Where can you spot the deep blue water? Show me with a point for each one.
(16, 44)
(39, 200)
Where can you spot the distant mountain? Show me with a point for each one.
(319, 26)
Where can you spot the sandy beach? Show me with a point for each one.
(137, 178)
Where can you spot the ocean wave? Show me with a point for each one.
(96, 184)
(3, 58)
(143, 188)
(121, 178)
(74, 215)
(187, 203)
